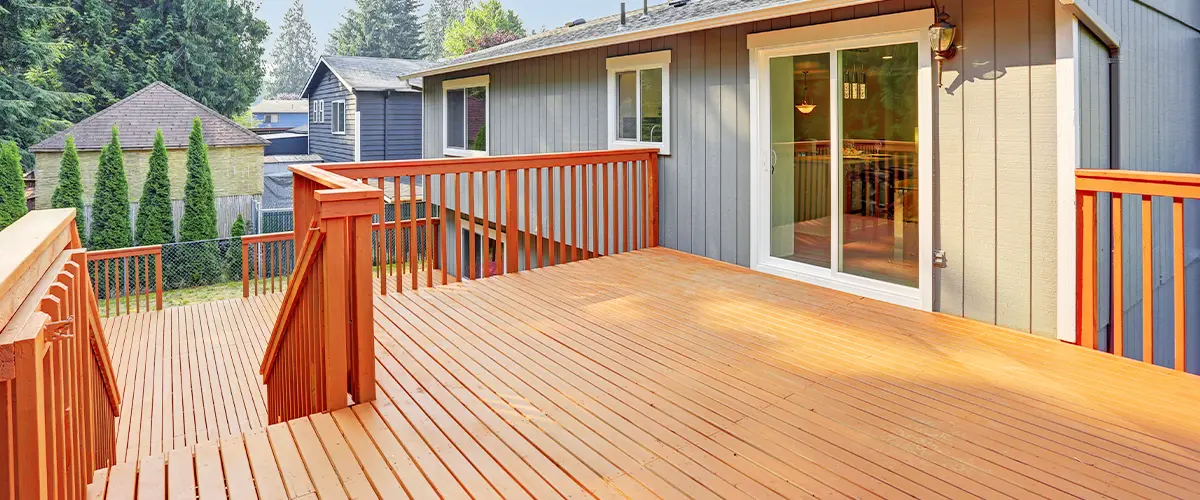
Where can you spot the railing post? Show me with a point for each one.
(30, 418)
(245, 270)
(337, 313)
(1085, 292)
(652, 198)
(158, 289)
(510, 222)
(362, 334)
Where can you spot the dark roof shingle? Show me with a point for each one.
(158, 106)
(370, 73)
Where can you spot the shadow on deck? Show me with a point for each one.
(647, 374)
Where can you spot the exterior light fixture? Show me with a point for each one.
(941, 40)
(804, 107)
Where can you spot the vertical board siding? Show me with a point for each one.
(1160, 40)
(321, 140)
(995, 144)
(391, 125)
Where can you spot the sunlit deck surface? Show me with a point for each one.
(657, 373)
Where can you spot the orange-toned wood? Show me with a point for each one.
(652, 196)
(1166, 184)
(1086, 250)
(605, 217)
(551, 244)
(459, 264)
(125, 277)
(462, 165)
(245, 269)
(539, 188)
(430, 259)
(1118, 276)
(337, 311)
(471, 274)
(1180, 279)
(412, 229)
(441, 234)
(381, 240)
(1147, 279)
(511, 223)
(484, 240)
(527, 194)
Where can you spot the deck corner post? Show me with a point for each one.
(337, 314)
(510, 222)
(652, 198)
(362, 359)
(245, 270)
(30, 417)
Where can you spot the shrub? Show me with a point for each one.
(69, 191)
(154, 223)
(199, 205)
(12, 185)
(110, 202)
(233, 254)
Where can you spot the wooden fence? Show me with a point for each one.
(132, 276)
(228, 209)
(1140, 188)
(58, 392)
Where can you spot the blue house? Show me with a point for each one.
(359, 109)
(280, 114)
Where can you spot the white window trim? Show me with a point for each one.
(484, 81)
(333, 113)
(906, 27)
(637, 62)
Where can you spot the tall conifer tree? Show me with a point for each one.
(110, 202)
(154, 223)
(294, 54)
(69, 191)
(199, 220)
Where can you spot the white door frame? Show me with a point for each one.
(908, 27)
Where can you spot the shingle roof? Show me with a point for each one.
(280, 106)
(158, 106)
(370, 73)
(660, 16)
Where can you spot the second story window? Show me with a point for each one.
(339, 117)
(465, 130)
(639, 101)
(316, 113)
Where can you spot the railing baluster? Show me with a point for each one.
(1086, 249)
(429, 260)
(540, 188)
(381, 241)
(471, 226)
(563, 202)
(1147, 279)
(1118, 276)
(397, 229)
(1180, 280)
(485, 241)
(441, 233)
(412, 228)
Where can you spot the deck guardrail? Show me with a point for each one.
(58, 392)
(267, 262)
(1140, 188)
(125, 275)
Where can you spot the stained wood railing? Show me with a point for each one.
(127, 276)
(321, 352)
(1134, 192)
(58, 392)
(267, 262)
(524, 212)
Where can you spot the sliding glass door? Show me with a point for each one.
(840, 123)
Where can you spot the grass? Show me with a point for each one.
(208, 293)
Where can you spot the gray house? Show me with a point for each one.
(359, 109)
(830, 141)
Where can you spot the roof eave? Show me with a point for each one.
(737, 17)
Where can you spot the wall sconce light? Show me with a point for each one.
(941, 40)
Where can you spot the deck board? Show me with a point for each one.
(655, 374)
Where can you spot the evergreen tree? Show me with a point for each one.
(483, 26)
(110, 202)
(12, 185)
(233, 253)
(199, 205)
(433, 27)
(294, 54)
(393, 30)
(69, 191)
(154, 223)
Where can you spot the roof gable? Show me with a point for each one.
(137, 117)
(366, 73)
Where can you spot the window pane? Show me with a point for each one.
(477, 118)
(627, 105)
(455, 132)
(652, 105)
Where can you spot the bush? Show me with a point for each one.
(199, 205)
(110, 205)
(154, 223)
(233, 254)
(69, 191)
(12, 185)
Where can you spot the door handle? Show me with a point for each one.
(774, 158)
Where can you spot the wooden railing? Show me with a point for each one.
(525, 211)
(321, 348)
(1134, 192)
(267, 262)
(130, 275)
(58, 392)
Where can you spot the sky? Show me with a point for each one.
(536, 14)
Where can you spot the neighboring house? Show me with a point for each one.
(359, 109)
(280, 113)
(235, 153)
(30, 190)
(286, 142)
(945, 187)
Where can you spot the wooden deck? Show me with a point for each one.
(657, 373)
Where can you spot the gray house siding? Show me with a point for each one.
(391, 125)
(1160, 40)
(994, 154)
(321, 139)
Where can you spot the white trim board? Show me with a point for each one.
(1066, 30)
(484, 81)
(637, 62)
(908, 27)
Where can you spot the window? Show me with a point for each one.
(465, 116)
(639, 101)
(339, 117)
(316, 114)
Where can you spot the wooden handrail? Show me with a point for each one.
(308, 254)
(124, 252)
(58, 392)
(1089, 185)
(267, 237)
(113, 270)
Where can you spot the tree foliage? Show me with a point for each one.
(154, 223)
(433, 26)
(294, 54)
(12, 185)
(485, 25)
(233, 253)
(199, 220)
(110, 202)
(68, 193)
(393, 30)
